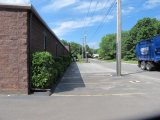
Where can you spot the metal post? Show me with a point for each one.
(82, 48)
(85, 43)
(93, 49)
(118, 42)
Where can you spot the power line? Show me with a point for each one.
(95, 8)
(109, 10)
(83, 28)
(93, 13)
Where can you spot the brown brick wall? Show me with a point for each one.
(19, 38)
(38, 31)
(13, 51)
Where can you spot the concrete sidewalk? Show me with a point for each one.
(90, 79)
(88, 91)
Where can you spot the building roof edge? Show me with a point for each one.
(45, 24)
(30, 7)
(20, 6)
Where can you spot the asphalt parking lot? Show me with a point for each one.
(89, 91)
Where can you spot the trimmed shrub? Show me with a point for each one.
(43, 71)
(67, 61)
(46, 69)
(59, 65)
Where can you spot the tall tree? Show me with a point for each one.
(75, 48)
(64, 42)
(144, 29)
(108, 47)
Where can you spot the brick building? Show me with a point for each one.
(22, 32)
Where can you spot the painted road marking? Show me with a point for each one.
(129, 63)
(135, 81)
(95, 95)
(99, 83)
(143, 76)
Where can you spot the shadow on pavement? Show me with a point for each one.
(142, 71)
(70, 81)
(131, 73)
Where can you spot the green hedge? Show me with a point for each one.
(67, 61)
(43, 72)
(46, 69)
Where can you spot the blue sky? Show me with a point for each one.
(70, 19)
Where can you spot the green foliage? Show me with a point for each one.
(66, 61)
(79, 57)
(59, 65)
(46, 69)
(108, 47)
(144, 29)
(43, 72)
(64, 42)
(77, 48)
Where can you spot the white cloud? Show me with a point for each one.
(69, 26)
(58, 4)
(149, 4)
(77, 5)
(83, 6)
(128, 10)
(94, 44)
(15, 1)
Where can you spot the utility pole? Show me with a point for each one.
(79, 49)
(82, 48)
(93, 49)
(118, 42)
(85, 43)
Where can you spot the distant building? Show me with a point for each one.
(95, 55)
(23, 32)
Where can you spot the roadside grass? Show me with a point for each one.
(123, 61)
(110, 60)
(82, 61)
(130, 61)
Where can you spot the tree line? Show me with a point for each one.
(76, 48)
(144, 29)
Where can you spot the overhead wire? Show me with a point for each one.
(101, 25)
(92, 14)
(84, 23)
(109, 10)
(84, 30)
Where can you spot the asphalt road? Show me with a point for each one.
(128, 68)
(91, 91)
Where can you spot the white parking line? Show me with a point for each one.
(96, 95)
(129, 63)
